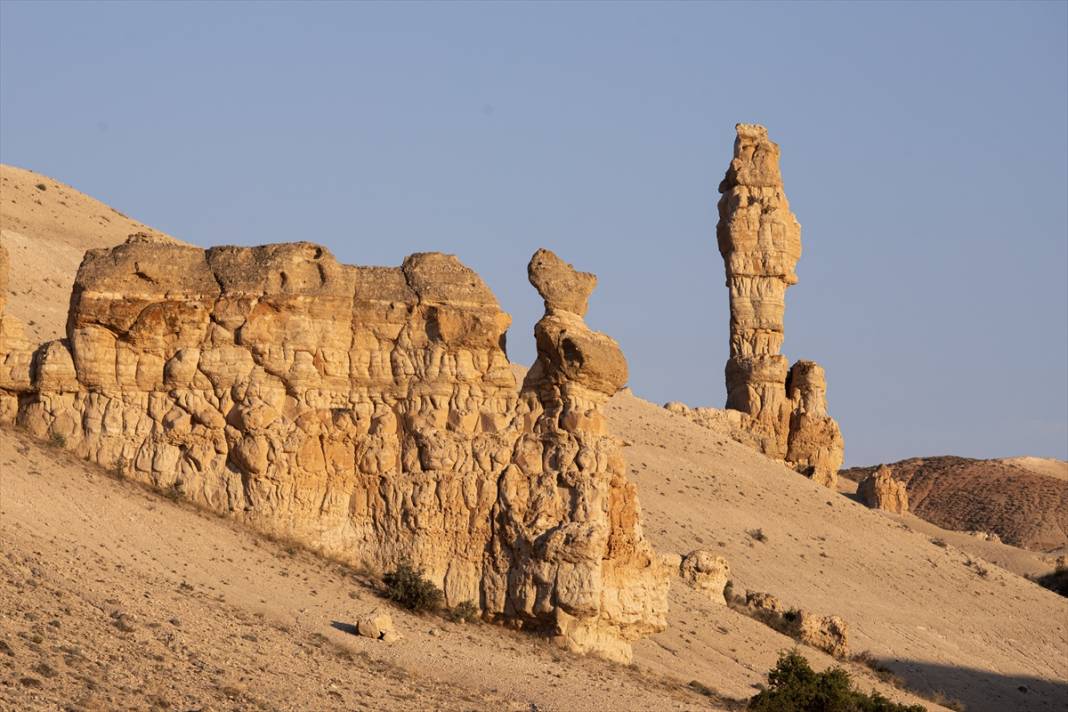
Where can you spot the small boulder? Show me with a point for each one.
(377, 625)
(827, 633)
(706, 572)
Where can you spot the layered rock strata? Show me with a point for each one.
(367, 412)
(760, 241)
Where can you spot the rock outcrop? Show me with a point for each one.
(567, 539)
(367, 412)
(707, 572)
(880, 490)
(760, 241)
(827, 633)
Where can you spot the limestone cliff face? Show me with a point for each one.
(368, 412)
(760, 241)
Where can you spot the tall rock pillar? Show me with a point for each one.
(760, 241)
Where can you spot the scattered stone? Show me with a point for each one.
(123, 621)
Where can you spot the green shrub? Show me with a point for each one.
(466, 612)
(793, 686)
(407, 587)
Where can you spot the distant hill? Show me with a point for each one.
(1022, 500)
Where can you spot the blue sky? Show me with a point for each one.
(925, 153)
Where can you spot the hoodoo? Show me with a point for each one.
(760, 241)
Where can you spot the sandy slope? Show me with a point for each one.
(1041, 465)
(46, 232)
(1021, 562)
(220, 620)
(922, 608)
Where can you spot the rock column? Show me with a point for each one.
(760, 241)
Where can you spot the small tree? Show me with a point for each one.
(793, 686)
(407, 587)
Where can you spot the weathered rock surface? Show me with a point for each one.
(378, 625)
(567, 541)
(367, 412)
(760, 241)
(707, 572)
(827, 633)
(880, 490)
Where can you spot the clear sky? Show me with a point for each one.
(925, 153)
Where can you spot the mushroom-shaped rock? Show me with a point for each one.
(561, 286)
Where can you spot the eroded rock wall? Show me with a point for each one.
(760, 241)
(367, 412)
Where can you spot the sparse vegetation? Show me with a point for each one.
(881, 671)
(407, 587)
(57, 440)
(41, 186)
(780, 622)
(758, 535)
(940, 698)
(466, 612)
(701, 688)
(888, 676)
(939, 542)
(793, 686)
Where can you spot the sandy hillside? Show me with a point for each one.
(1022, 500)
(254, 621)
(47, 227)
(1041, 465)
(114, 597)
(934, 617)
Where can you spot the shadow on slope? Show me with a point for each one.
(980, 689)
